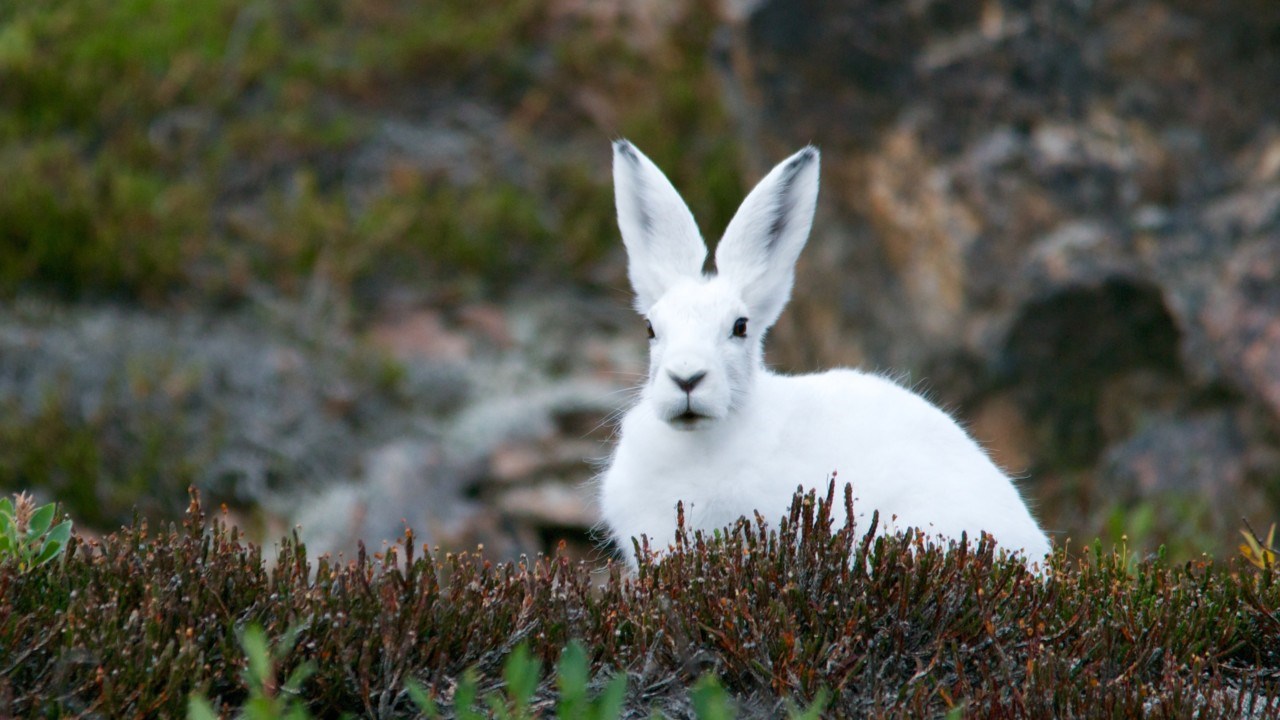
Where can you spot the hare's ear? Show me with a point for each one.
(663, 243)
(760, 247)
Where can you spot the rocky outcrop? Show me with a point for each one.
(1060, 219)
(511, 468)
(1064, 216)
(480, 426)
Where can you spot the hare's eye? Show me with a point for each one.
(649, 327)
(740, 328)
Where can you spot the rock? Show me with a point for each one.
(510, 468)
(552, 504)
(1065, 349)
(405, 485)
(236, 405)
(999, 425)
(1067, 214)
(489, 321)
(514, 463)
(925, 232)
(1243, 319)
(1201, 456)
(420, 335)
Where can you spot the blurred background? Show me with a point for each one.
(352, 265)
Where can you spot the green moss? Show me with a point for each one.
(667, 101)
(103, 467)
(1181, 526)
(493, 232)
(586, 228)
(79, 226)
(103, 68)
(492, 44)
(144, 139)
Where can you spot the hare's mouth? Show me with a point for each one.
(689, 419)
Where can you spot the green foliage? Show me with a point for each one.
(267, 699)
(521, 673)
(572, 681)
(1258, 552)
(815, 709)
(28, 537)
(886, 626)
(710, 701)
(1182, 526)
(122, 459)
(152, 147)
(64, 219)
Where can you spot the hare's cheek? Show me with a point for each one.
(739, 368)
(654, 364)
(655, 360)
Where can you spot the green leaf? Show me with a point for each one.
(464, 697)
(40, 521)
(419, 696)
(55, 542)
(199, 709)
(259, 707)
(609, 705)
(17, 47)
(299, 676)
(710, 701)
(254, 642)
(61, 532)
(521, 672)
(571, 679)
(48, 552)
(6, 509)
(498, 708)
(284, 645)
(813, 712)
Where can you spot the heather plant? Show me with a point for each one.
(782, 614)
(26, 536)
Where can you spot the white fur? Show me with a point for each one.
(744, 438)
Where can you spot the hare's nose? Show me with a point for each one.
(687, 384)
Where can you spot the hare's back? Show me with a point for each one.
(906, 457)
(867, 427)
(843, 401)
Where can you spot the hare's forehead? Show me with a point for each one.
(709, 298)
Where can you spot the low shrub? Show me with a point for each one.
(135, 624)
(28, 537)
(207, 151)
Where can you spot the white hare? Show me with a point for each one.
(716, 429)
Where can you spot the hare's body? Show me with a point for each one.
(716, 430)
(810, 427)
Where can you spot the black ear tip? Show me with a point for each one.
(623, 147)
(803, 158)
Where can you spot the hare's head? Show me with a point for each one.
(706, 331)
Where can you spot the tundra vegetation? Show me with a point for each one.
(211, 153)
(808, 611)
